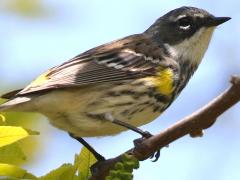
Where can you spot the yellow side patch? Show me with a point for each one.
(40, 80)
(164, 81)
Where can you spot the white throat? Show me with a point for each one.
(194, 48)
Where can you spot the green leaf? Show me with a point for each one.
(14, 172)
(11, 154)
(11, 134)
(66, 171)
(84, 162)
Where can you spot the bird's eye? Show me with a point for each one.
(185, 23)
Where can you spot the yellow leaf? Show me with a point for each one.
(14, 172)
(11, 134)
(66, 171)
(84, 162)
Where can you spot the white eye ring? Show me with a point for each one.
(185, 27)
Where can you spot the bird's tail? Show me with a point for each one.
(15, 104)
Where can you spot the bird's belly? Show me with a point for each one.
(85, 126)
(83, 113)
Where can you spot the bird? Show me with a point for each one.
(123, 84)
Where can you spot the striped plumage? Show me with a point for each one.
(121, 78)
(133, 57)
(133, 79)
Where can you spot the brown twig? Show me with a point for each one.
(192, 125)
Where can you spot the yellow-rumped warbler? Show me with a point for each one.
(128, 82)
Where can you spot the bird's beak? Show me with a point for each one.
(215, 21)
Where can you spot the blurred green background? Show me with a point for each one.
(38, 34)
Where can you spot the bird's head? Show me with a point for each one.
(186, 30)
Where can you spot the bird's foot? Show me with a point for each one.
(138, 142)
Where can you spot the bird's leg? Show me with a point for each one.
(144, 134)
(98, 156)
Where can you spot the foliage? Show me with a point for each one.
(85, 160)
(80, 170)
(11, 134)
(27, 120)
(124, 170)
(7, 170)
(10, 152)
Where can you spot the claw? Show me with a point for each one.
(155, 155)
(147, 135)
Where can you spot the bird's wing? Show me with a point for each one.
(116, 61)
(10, 94)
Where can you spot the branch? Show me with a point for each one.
(192, 125)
